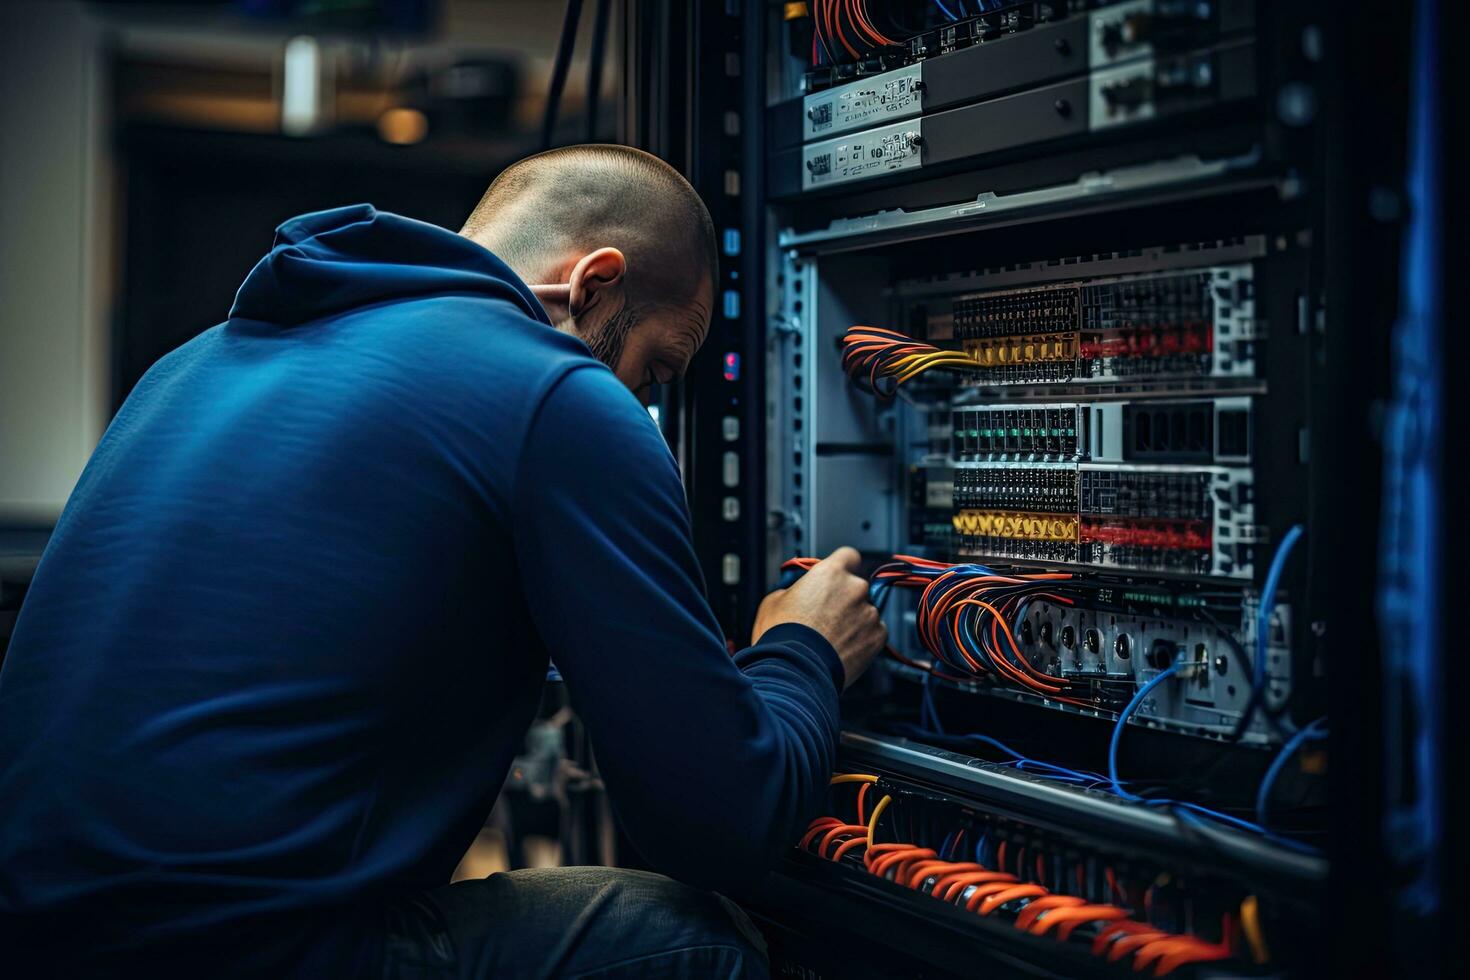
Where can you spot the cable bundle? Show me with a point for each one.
(984, 890)
(828, 18)
(965, 614)
(874, 355)
(964, 621)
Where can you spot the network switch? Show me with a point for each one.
(1214, 430)
(1071, 108)
(1198, 323)
(1146, 485)
(1180, 521)
(1026, 42)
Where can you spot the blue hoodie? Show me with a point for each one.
(296, 617)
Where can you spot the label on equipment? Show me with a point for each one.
(862, 155)
(896, 94)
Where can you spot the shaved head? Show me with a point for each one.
(578, 198)
(618, 249)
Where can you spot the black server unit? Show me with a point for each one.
(1076, 317)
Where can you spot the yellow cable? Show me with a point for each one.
(916, 364)
(924, 361)
(914, 372)
(1250, 924)
(852, 777)
(873, 820)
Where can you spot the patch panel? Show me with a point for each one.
(1155, 485)
(1015, 311)
(1178, 432)
(1168, 518)
(1213, 534)
(1102, 645)
(1215, 430)
(1187, 324)
(1040, 487)
(1009, 351)
(1124, 630)
(1184, 496)
(1013, 432)
(1184, 547)
(1013, 525)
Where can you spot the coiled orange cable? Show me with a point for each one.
(984, 891)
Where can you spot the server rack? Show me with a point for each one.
(1254, 140)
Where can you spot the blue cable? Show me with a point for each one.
(945, 10)
(929, 714)
(1117, 784)
(1268, 602)
(1183, 810)
(927, 707)
(1184, 807)
(1314, 732)
(1017, 759)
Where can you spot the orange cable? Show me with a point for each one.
(1070, 919)
(954, 885)
(995, 901)
(1034, 908)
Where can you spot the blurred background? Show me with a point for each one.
(147, 152)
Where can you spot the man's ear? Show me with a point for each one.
(596, 278)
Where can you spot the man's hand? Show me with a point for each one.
(832, 600)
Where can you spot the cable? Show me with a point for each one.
(1268, 598)
(864, 22)
(871, 355)
(1250, 924)
(818, 37)
(834, 20)
(973, 637)
(928, 712)
(1313, 732)
(945, 10)
(873, 820)
(1122, 721)
(1182, 808)
(1263, 626)
(560, 68)
(1041, 911)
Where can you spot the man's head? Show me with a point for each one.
(617, 247)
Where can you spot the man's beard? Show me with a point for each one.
(607, 343)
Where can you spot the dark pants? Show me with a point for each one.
(571, 922)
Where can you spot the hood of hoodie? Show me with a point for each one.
(331, 261)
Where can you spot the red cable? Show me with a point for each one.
(833, 20)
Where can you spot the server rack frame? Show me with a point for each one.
(1364, 120)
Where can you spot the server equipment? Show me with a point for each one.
(1068, 315)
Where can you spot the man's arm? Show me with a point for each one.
(713, 765)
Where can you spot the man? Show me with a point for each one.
(295, 619)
